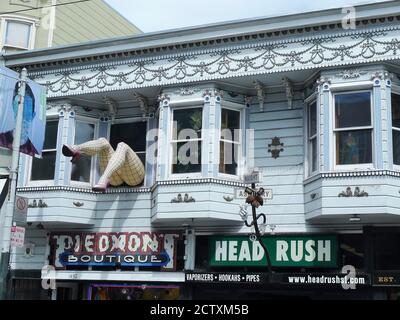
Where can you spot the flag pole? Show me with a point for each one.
(6, 224)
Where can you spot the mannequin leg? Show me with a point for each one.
(125, 164)
(103, 149)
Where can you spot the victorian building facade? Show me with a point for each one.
(315, 108)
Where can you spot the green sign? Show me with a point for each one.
(285, 251)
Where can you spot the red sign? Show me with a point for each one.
(112, 249)
(17, 237)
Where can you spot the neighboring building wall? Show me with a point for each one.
(62, 22)
(89, 21)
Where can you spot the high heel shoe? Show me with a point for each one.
(101, 187)
(69, 152)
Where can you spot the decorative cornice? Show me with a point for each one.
(351, 74)
(257, 57)
(167, 47)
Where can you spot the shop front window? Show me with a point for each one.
(44, 169)
(353, 128)
(187, 140)
(134, 292)
(387, 251)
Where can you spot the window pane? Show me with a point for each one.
(312, 119)
(230, 121)
(81, 171)
(396, 110)
(188, 119)
(396, 147)
(43, 169)
(133, 134)
(50, 141)
(18, 34)
(354, 147)
(314, 155)
(84, 132)
(353, 110)
(229, 155)
(186, 157)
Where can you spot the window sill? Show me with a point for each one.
(356, 167)
(41, 183)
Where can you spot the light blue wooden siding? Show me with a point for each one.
(382, 196)
(285, 174)
(209, 204)
(38, 260)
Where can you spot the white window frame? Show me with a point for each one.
(127, 121)
(41, 183)
(13, 18)
(395, 90)
(333, 130)
(95, 122)
(240, 169)
(170, 141)
(313, 98)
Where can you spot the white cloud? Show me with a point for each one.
(155, 15)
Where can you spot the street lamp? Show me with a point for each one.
(255, 199)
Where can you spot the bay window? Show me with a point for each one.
(186, 140)
(396, 128)
(44, 169)
(81, 171)
(230, 141)
(312, 137)
(131, 133)
(353, 128)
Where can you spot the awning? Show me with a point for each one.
(114, 276)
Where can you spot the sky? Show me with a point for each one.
(156, 15)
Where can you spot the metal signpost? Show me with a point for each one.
(5, 230)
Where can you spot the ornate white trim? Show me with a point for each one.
(353, 174)
(361, 46)
(134, 190)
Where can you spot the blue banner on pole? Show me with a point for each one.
(34, 115)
